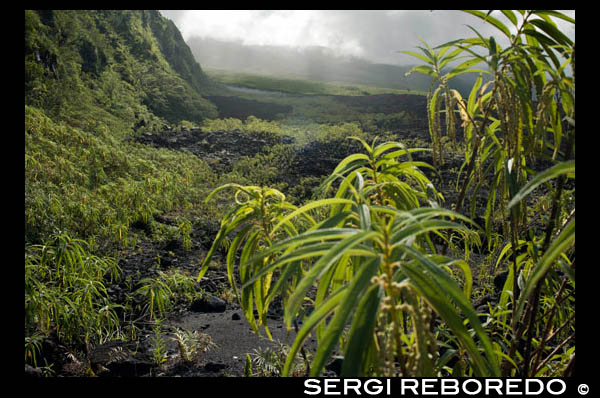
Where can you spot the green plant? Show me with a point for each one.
(157, 295)
(182, 285)
(248, 366)
(269, 362)
(158, 349)
(436, 62)
(185, 228)
(192, 343)
(375, 264)
(33, 345)
(256, 212)
(65, 292)
(47, 371)
(525, 113)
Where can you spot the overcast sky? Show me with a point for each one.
(372, 34)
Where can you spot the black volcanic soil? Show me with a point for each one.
(221, 149)
(241, 108)
(386, 103)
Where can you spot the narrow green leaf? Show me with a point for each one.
(548, 174)
(398, 167)
(423, 227)
(558, 246)
(473, 96)
(381, 148)
(347, 190)
(331, 281)
(335, 328)
(333, 221)
(223, 232)
(428, 51)
(488, 18)
(364, 144)
(365, 216)
(349, 159)
(319, 268)
(466, 270)
(415, 54)
(318, 315)
(452, 43)
(282, 281)
(511, 16)
(230, 260)
(552, 31)
(347, 165)
(247, 301)
(360, 182)
(423, 69)
(539, 36)
(464, 67)
(361, 333)
(554, 14)
(310, 206)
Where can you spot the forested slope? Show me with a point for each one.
(128, 67)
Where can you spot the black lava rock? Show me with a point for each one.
(208, 303)
(30, 371)
(335, 366)
(214, 367)
(499, 281)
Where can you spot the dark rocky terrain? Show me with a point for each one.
(241, 108)
(220, 149)
(214, 315)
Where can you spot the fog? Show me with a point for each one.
(373, 34)
(320, 43)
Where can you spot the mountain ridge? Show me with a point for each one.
(131, 66)
(313, 63)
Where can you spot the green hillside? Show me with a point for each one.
(93, 80)
(121, 68)
(312, 63)
(303, 85)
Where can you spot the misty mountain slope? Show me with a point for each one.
(127, 67)
(178, 54)
(315, 63)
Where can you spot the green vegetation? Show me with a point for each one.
(65, 293)
(111, 69)
(370, 251)
(191, 344)
(301, 86)
(91, 80)
(381, 256)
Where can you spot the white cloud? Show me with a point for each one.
(279, 27)
(374, 34)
